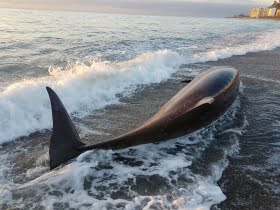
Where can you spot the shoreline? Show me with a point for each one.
(249, 180)
(241, 191)
(261, 18)
(112, 78)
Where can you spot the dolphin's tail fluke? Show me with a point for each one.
(65, 139)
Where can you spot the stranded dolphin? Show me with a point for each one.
(198, 104)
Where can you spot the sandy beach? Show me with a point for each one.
(252, 181)
(113, 72)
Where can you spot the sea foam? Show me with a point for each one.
(25, 107)
(100, 179)
(262, 41)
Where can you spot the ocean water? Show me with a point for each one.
(112, 72)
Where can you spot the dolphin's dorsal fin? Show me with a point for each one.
(65, 138)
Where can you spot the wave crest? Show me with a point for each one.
(25, 107)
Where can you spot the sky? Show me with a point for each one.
(207, 8)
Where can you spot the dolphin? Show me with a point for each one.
(202, 101)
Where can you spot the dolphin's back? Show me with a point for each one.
(198, 104)
(208, 84)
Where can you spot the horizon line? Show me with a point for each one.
(112, 12)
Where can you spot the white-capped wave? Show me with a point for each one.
(264, 41)
(25, 107)
(151, 176)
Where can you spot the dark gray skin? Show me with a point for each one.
(197, 105)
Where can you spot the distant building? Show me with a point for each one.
(256, 12)
(266, 12)
(276, 7)
(272, 11)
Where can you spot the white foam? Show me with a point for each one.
(264, 41)
(5, 194)
(89, 181)
(33, 172)
(25, 107)
(201, 194)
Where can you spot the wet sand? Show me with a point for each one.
(252, 179)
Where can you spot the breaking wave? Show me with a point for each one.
(152, 176)
(263, 41)
(25, 107)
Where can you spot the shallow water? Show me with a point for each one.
(113, 72)
(252, 180)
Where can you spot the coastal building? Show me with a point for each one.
(266, 12)
(272, 11)
(256, 12)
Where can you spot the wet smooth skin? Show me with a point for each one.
(198, 104)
